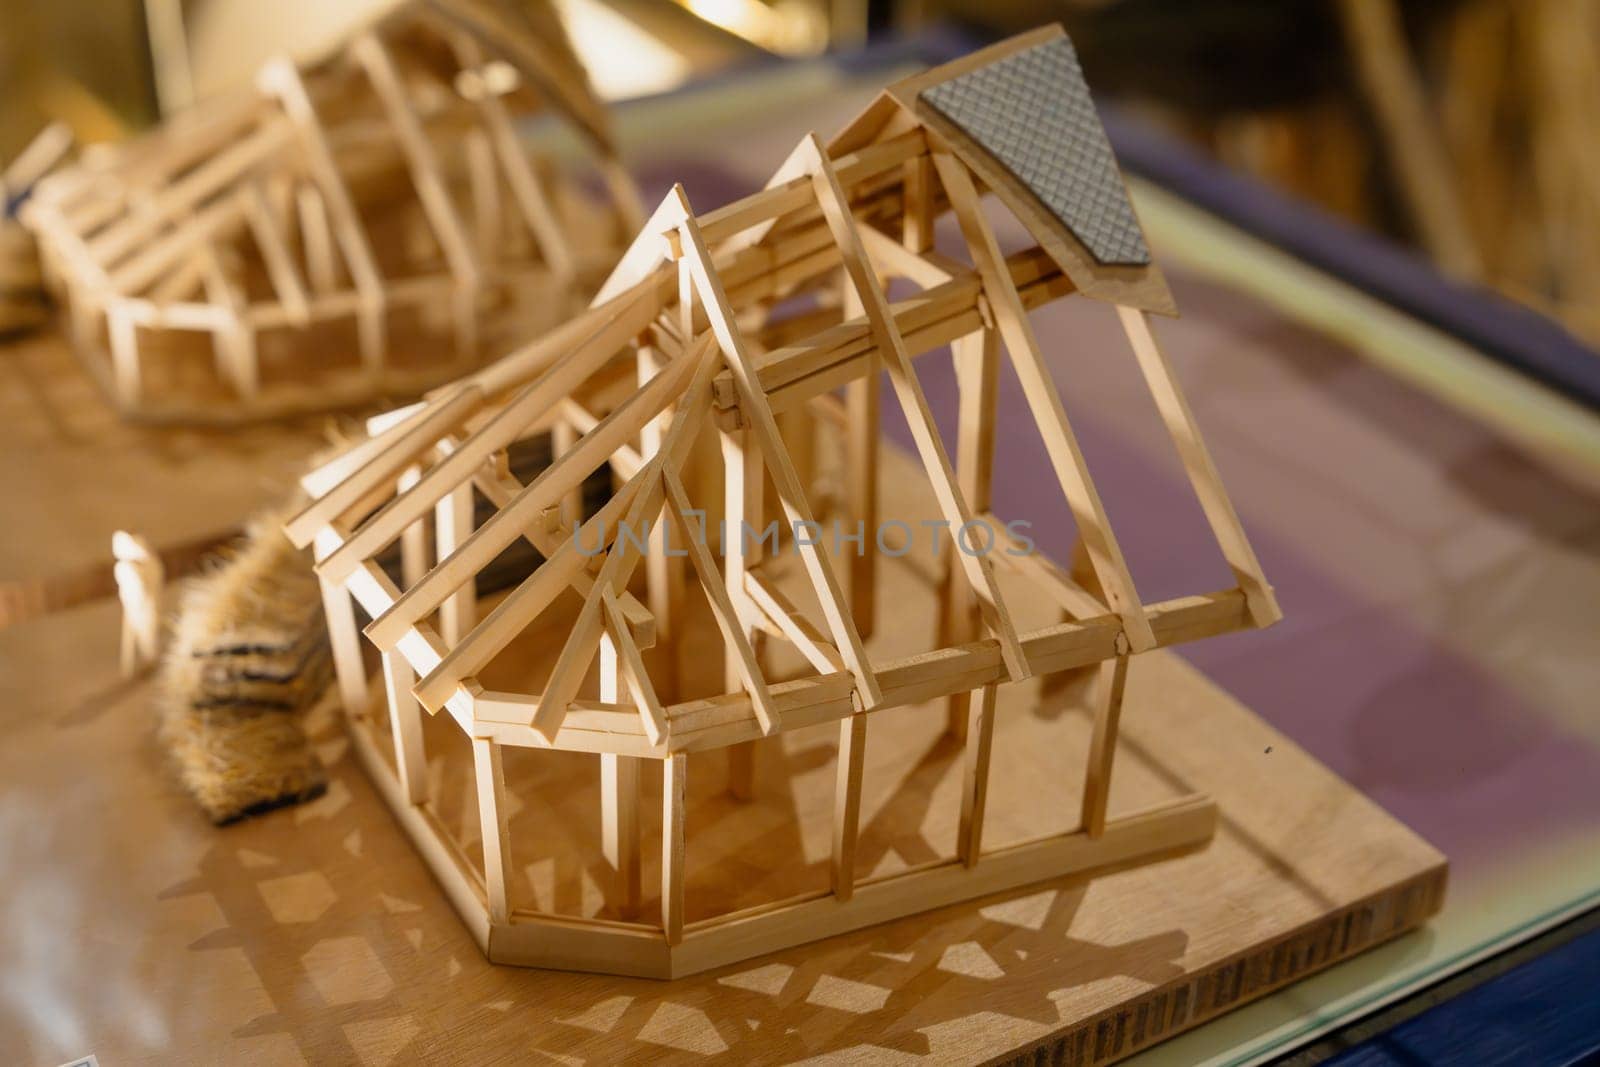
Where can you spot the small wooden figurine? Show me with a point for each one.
(366, 225)
(140, 578)
(720, 345)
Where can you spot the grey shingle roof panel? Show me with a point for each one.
(1031, 111)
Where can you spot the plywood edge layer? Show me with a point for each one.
(1253, 973)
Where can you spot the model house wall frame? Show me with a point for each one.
(688, 341)
(354, 227)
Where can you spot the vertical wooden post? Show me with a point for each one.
(916, 223)
(863, 404)
(975, 774)
(659, 567)
(619, 785)
(488, 217)
(140, 577)
(344, 638)
(491, 812)
(977, 366)
(742, 504)
(619, 797)
(1103, 744)
(316, 240)
(797, 428)
(672, 850)
(405, 724)
(452, 521)
(124, 341)
(847, 803)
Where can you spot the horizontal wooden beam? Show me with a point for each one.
(590, 726)
(1165, 829)
(558, 943)
(729, 719)
(926, 321)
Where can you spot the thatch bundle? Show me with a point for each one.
(249, 654)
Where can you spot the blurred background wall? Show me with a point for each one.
(83, 62)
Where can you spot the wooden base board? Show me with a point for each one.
(1302, 872)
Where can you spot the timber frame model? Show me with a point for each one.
(325, 237)
(688, 339)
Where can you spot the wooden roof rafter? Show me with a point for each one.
(892, 355)
(696, 266)
(860, 211)
(1072, 471)
(624, 554)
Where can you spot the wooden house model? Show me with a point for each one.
(725, 352)
(368, 224)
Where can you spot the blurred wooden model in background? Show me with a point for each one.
(713, 328)
(22, 296)
(367, 225)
